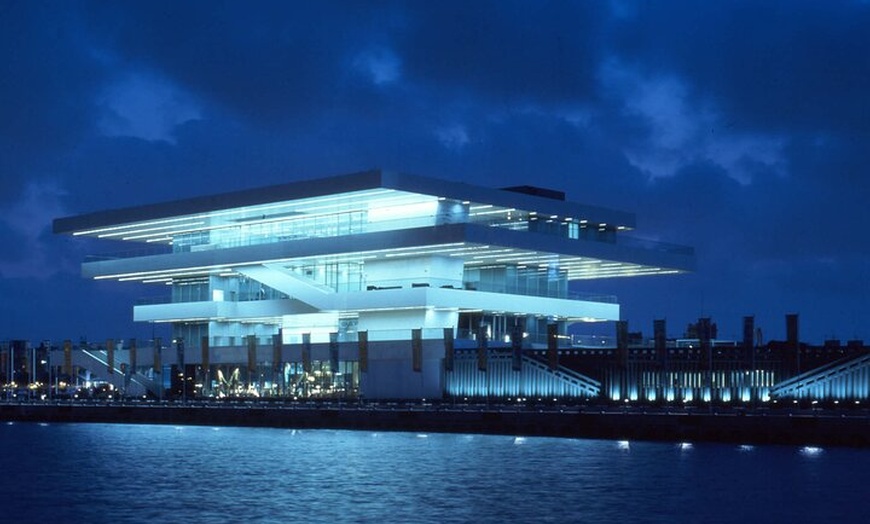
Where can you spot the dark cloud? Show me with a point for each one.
(782, 66)
(508, 52)
(273, 62)
(736, 127)
(47, 76)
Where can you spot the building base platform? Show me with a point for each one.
(818, 428)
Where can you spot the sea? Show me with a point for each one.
(106, 473)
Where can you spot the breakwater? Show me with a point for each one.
(843, 428)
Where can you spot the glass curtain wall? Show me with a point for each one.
(539, 281)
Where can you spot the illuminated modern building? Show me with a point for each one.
(374, 283)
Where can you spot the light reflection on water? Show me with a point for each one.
(137, 473)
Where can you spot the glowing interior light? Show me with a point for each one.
(492, 211)
(420, 209)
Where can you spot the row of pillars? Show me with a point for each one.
(751, 336)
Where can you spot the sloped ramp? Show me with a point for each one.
(534, 379)
(590, 386)
(844, 379)
(291, 284)
(96, 361)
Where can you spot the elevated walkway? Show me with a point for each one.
(844, 379)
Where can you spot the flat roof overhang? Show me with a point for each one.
(477, 245)
(356, 302)
(253, 202)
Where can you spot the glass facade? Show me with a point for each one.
(386, 213)
(538, 281)
(324, 379)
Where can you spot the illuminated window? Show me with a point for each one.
(573, 230)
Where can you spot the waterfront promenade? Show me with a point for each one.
(842, 427)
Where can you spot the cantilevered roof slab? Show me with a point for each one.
(476, 245)
(365, 190)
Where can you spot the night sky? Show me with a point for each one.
(739, 128)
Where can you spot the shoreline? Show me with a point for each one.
(818, 428)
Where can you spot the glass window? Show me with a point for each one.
(573, 230)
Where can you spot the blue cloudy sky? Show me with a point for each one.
(738, 127)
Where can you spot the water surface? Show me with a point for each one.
(136, 473)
